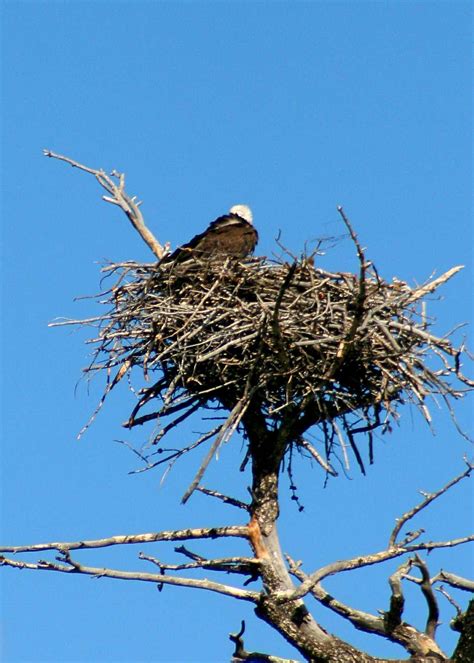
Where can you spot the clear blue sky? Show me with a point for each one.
(292, 108)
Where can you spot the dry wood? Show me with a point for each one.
(321, 348)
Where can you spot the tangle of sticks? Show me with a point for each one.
(333, 351)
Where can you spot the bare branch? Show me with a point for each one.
(427, 589)
(433, 285)
(119, 197)
(449, 578)
(389, 625)
(225, 498)
(317, 457)
(362, 561)
(400, 522)
(393, 617)
(240, 654)
(97, 572)
(226, 431)
(240, 565)
(171, 535)
(450, 599)
(456, 581)
(358, 305)
(175, 454)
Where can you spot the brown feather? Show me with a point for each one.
(229, 235)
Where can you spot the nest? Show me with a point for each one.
(333, 350)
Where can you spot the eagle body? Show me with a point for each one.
(232, 234)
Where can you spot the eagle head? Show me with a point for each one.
(243, 211)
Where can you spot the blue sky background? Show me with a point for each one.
(292, 108)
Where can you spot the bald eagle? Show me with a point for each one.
(230, 235)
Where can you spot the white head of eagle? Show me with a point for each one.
(232, 234)
(243, 211)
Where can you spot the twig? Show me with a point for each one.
(226, 431)
(400, 522)
(225, 498)
(446, 595)
(317, 457)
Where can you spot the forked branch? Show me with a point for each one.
(69, 565)
(393, 550)
(114, 184)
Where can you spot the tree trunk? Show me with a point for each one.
(291, 619)
(464, 652)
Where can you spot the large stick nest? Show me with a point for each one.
(295, 341)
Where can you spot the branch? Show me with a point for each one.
(428, 499)
(171, 535)
(433, 285)
(456, 581)
(393, 617)
(240, 654)
(175, 454)
(359, 302)
(393, 550)
(362, 620)
(449, 578)
(118, 196)
(317, 457)
(427, 590)
(361, 561)
(389, 625)
(75, 567)
(225, 498)
(226, 431)
(450, 599)
(241, 565)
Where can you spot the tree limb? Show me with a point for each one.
(241, 565)
(118, 196)
(427, 590)
(400, 522)
(97, 572)
(455, 581)
(393, 550)
(390, 627)
(225, 498)
(171, 535)
(240, 654)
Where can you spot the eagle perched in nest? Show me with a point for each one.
(232, 234)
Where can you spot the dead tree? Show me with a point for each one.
(280, 347)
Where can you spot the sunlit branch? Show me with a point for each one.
(118, 196)
(393, 550)
(427, 590)
(224, 498)
(97, 572)
(400, 522)
(241, 565)
(171, 535)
